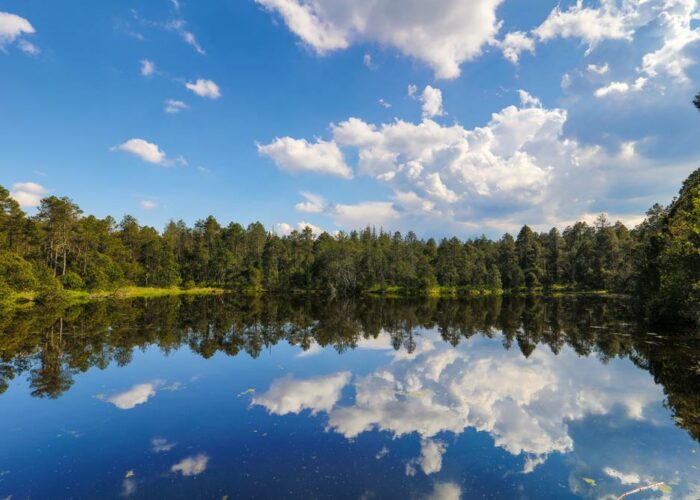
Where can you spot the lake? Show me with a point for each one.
(233, 397)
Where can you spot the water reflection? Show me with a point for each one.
(543, 379)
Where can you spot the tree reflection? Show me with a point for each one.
(51, 346)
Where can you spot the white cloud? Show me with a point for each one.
(367, 61)
(384, 103)
(515, 43)
(432, 102)
(137, 395)
(145, 150)
(431, 452)
(520, 164)
(598, 69)
(298, 155)
(565, 81)
(287, 395)
(509, 159)
(314, 203)
(621, 20)
(621, 87)
(148, 204)
(528, 100)
(610, 21)
(173, 106)
(178, 26)
(204, 88)
(191, 466)
(28, 194)
(12, 27)
(375, 213)
(441, 33)
(28, 48)
(671, 59)
(284, 229)
(147, 67)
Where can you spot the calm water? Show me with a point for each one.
(224, 397)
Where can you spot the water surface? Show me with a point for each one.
(229, 397)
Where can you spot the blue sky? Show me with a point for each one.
(449, 117)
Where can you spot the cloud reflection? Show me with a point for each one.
(288, 395)
(191, 466)
(525, 404)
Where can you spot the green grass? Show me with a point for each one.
(127, 292)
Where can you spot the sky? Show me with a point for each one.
(448, 117)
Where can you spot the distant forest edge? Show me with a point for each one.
(58, 251)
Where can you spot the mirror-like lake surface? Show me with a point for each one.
(229, 397)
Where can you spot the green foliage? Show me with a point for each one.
(670, 241)
(17, 273)
(7, 294)
(61, 249)
(72, 281)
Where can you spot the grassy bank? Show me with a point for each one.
(128, 292)
(397, 292)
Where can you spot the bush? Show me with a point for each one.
(51, 293)
(72, 281)
(7, 295)
(17, 273)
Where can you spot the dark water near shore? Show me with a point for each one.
(218, 397)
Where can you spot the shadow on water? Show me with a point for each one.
(52, 346)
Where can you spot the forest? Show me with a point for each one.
(60, 249)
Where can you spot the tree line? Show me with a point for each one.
(59, 248)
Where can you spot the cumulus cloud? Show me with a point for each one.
(191, 466)
(528, 100)
(621, 87)
(432, 102)
(515, 43)
(443, 33)
(12, 27)
(598, 69)
(204, 88)
(299, 155)
(288, 395)
(621, 20)
(173, 106)
(609, 21)
(519, 167)
(374, 213)
(147, 67)
(129, 399)
(148, 152)
(284, 229)
(314, 203)
(676, 20)
(28, 194)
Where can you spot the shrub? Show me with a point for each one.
(72, 281)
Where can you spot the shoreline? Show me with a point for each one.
(391, 292)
